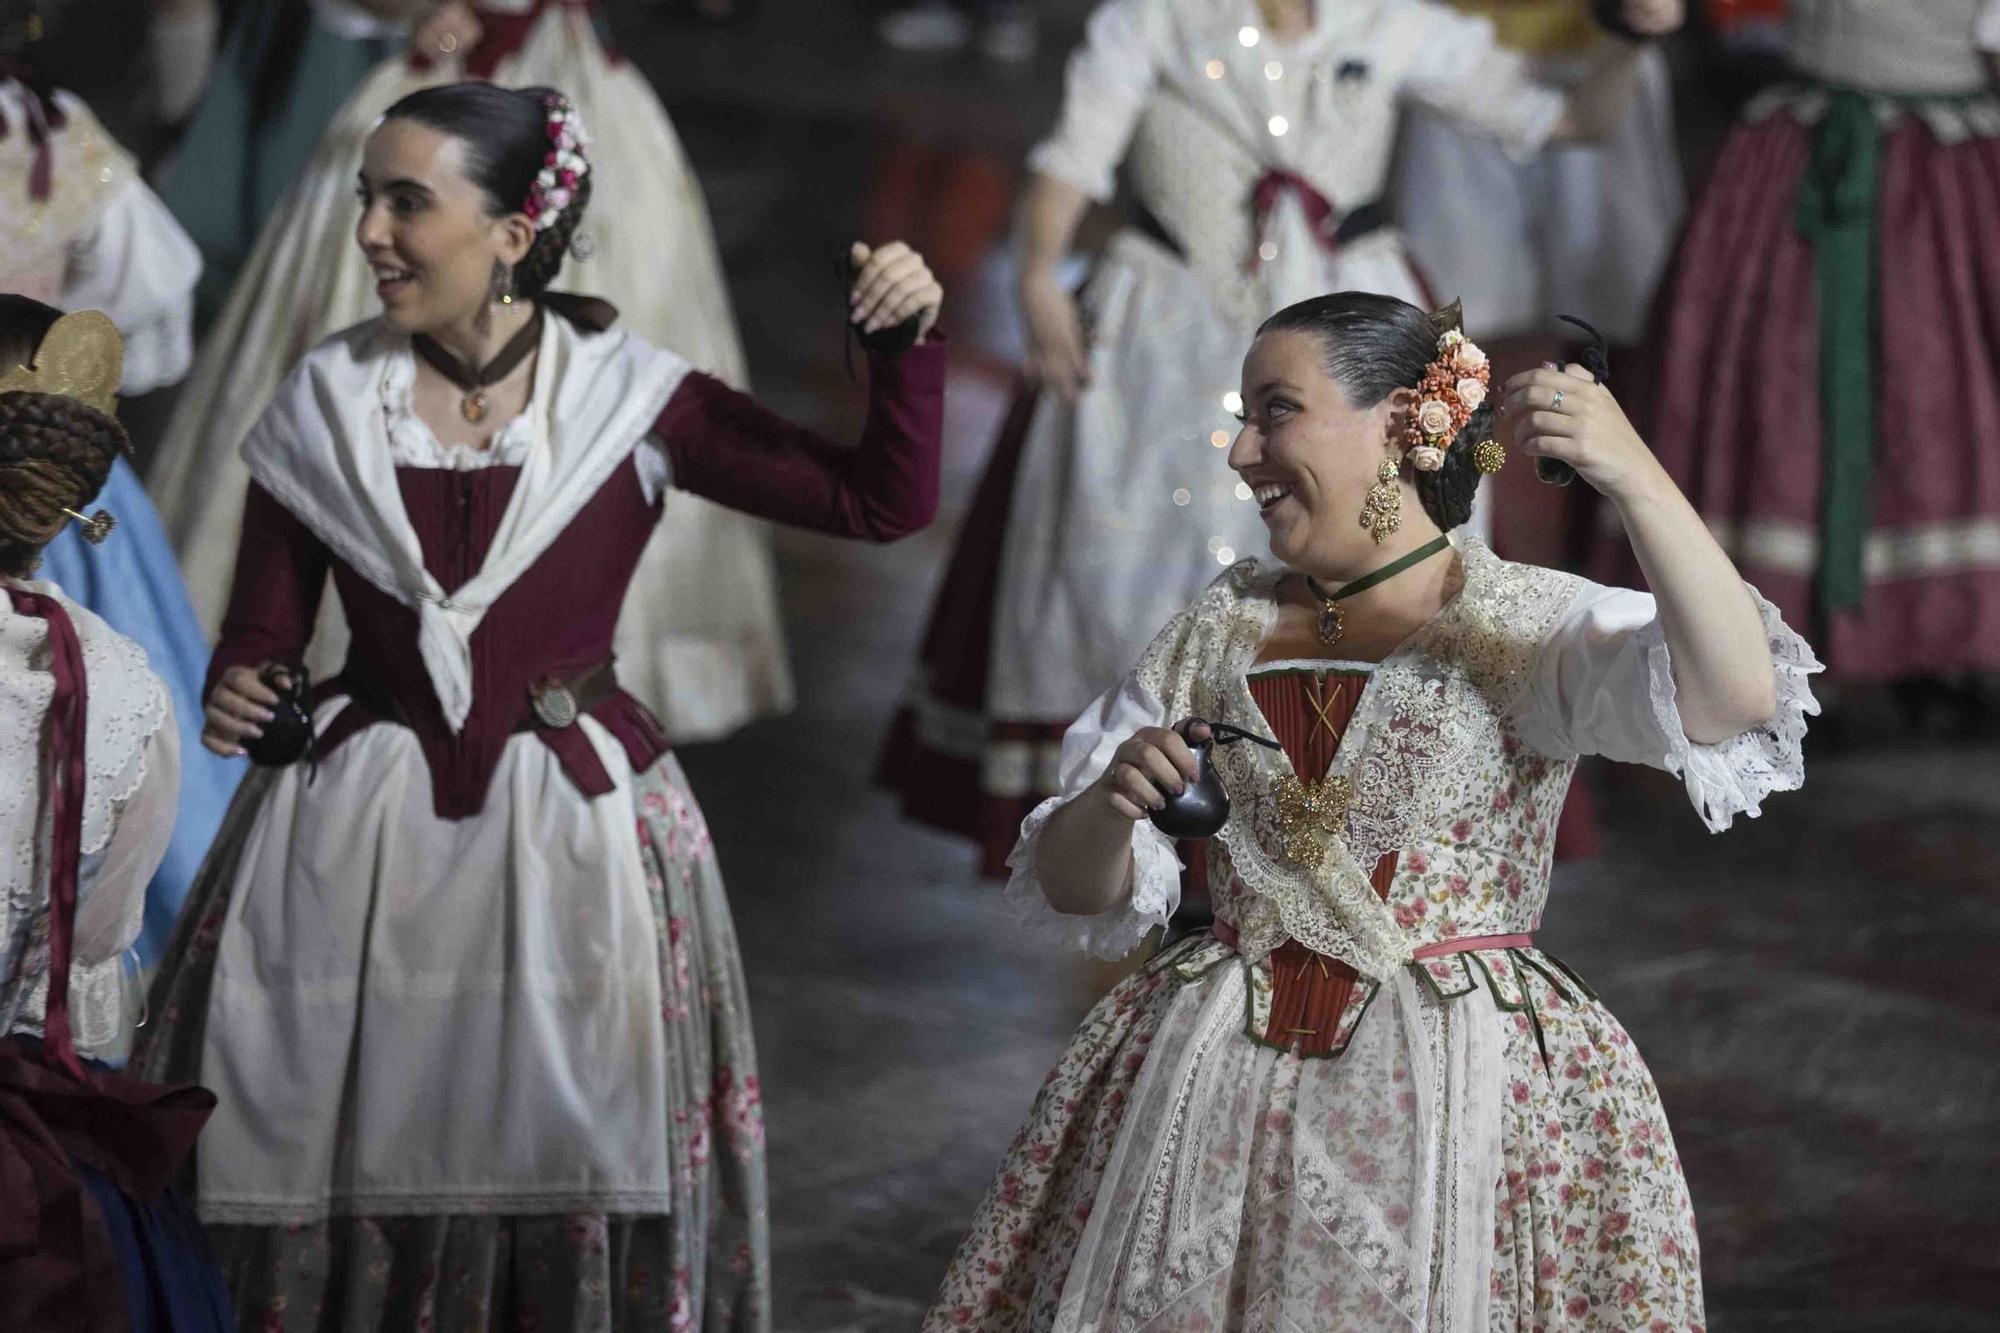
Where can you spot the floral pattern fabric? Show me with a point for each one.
(1484, 1149)
(705, 1264)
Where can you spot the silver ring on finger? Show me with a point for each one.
(1557, 405)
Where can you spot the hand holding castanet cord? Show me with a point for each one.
(892, 286)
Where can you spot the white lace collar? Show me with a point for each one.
(412, 443)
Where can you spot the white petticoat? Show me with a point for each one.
(1252, 1189)
(385, 979)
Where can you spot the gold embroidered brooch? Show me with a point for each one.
(1310, 814)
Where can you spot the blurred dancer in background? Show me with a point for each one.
(260, 104)
(1828, 344)
(80, 229)
(1257, 137)
(1579, 229)
(710, 656)
(490, 887)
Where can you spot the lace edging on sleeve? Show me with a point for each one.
(1734, 776)
(1156, 891)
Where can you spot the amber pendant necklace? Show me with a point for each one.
(474, 405)
(1332, 623)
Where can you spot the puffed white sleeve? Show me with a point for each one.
(1604, 685)
(1105, 88)
(1459, 69)
(1987, 34)
(111, 897)
(1156, 871)
(139, 267)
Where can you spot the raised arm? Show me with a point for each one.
(281, 571)
(1724, 675)
(724, 446)
(1108, 82)
(1462, 71)
(1597, 105)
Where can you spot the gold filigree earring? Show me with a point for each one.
(1382, 509)
(503, 284)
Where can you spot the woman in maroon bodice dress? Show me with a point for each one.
(465, 983)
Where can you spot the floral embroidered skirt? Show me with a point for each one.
(705, 1263)
(1439, 1174)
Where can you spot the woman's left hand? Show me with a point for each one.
(1566, 415)
(891, 284)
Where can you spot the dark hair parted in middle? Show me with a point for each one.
(1374, 345)
(506, 136)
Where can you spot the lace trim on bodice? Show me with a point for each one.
(1429, 712)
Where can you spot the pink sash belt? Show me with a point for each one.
(1225, 932)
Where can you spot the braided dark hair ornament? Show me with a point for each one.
(59, 431)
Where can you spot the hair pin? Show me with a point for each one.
(95, 527)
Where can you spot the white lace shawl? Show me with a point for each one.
(322, 450)
(131, 755)
(1568, 666)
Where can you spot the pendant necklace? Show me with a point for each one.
(1332, 624)
(474, 405)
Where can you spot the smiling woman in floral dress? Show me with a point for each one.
(1366, 1101)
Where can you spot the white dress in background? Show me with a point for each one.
(706, 652)
(1580, 229)
(101, 240)
(1123, 507)
(132, 780)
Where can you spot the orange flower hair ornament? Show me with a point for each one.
(1452, 388)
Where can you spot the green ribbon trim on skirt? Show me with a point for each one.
(1837, 214)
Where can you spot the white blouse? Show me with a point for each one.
(1603, 685)
(132, 790)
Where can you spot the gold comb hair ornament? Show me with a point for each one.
(81, 357)
(95, 527)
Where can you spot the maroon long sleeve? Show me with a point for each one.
(281, 571)
(727, 448)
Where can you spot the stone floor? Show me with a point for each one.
(1818, 991)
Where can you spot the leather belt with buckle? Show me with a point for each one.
(557, 703)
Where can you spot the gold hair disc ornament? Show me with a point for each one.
(81, 357)
(1489, 456)
(96, 527)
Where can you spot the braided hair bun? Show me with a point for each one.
(1375, 345)
(507, 146)
(55, 452)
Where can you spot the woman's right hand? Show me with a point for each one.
(1153, 764)
(1058, 358)
(237, 709)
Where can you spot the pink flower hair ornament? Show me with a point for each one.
(1453, 386)
(563, 167)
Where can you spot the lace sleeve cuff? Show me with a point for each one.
(1734, 776)
(1156, 892)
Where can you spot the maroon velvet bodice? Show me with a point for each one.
(556, 620)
